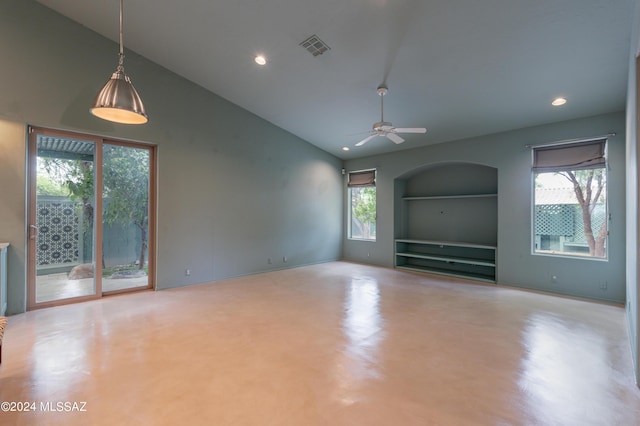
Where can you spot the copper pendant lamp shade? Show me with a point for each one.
(118, 101)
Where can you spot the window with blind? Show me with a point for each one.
(362, 205)
(570, 199)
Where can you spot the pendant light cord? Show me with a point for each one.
(118, 100)
(121, 55)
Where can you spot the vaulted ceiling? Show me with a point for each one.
(460, 68)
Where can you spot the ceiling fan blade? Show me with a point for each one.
(367, 139)
(395, 138)
(410, 130)
(365, 132)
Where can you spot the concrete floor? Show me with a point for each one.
(329, 344)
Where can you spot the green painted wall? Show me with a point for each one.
(12, 210)
(633, 191)
(233, 189)
(516, 265)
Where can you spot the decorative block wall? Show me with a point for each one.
(566, 220)
(58, 240)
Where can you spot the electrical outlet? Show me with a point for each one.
(554, 279)
(603, 285)
(284, 259)
(187, 272)
(269, 260)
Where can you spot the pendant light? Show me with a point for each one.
(118, 100)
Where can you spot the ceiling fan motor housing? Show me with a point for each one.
(382, 126)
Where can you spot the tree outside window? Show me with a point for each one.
(125, 189)
(362, 205)
(570, 196)
(363, 213)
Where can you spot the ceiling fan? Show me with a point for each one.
(385, 128)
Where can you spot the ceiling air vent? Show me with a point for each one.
(315, 46)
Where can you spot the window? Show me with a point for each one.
(570, 199)
(362, 205)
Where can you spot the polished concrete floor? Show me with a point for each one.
(329, 344)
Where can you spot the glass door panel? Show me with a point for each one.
(62, 220)
(91, 223)
(125, 216)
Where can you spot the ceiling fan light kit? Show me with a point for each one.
(385, 128)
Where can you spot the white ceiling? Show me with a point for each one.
(461, 68)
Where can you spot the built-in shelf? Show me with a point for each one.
(448, 243)
(449, 259)
(467, 260)
(448, 197)
(459, 274)
(447, 220)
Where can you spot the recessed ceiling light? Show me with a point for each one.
(260, 60)
(559, 101)
(345, 148)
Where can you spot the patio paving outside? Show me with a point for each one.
(59, 286)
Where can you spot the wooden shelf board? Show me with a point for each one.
(451, 259)
(448, 243)
(448, 273)
(449, 197)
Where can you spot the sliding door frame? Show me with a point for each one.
(32, 168)
(151, 225)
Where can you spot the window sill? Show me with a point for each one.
(558, 254)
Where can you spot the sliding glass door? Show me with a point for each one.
(90, 216)
(62, 226)
(125, 217)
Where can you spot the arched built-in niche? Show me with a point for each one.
(446, 220)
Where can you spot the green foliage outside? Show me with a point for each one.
(110, 270)
(363, 212)
(48, 186)
(126, 185)
(125, 188)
